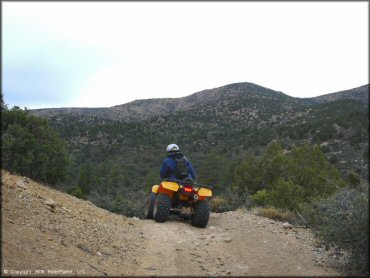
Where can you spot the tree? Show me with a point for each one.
(31, 148)
(310, 169)
(286, 194)
(86, 178)
(287, 179)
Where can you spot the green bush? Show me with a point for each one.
(285, 179)
(260, 198)
(132, 204)
(77, 192)
(341, 222)
(285, 194)
(31, 148)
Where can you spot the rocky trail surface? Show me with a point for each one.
(48, 233)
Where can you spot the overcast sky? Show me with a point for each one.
(100, 54)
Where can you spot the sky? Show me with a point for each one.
(101, 54)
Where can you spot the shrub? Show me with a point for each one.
(218, 204)
(131, 204)
(31, 148)
(353, 179)
(341, 222)
(287, 179)
(285, 195)
(276, 214)
(77, 192)
(260, 198)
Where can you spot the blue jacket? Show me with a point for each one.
(169, 166)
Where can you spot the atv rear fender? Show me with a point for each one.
(166, 187)
(205, 192)
(169, 188)
(155, 188)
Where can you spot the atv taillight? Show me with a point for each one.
(188, 189)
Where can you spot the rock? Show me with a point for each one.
(286, 225)
(50, 203)
(65, 209)
(227, 239)
(21, 184)
(99, 254)
(52, 209)
(84, 248)
(135, 218)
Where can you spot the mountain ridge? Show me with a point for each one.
(144, 109)
(218, 127)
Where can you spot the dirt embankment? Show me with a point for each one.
(46, 232)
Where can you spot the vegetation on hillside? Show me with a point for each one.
(342, 222)
(30, 147)
(254, 145)
(287, 180)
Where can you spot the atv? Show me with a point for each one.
(185, 198)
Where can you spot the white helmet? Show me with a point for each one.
(172, 148)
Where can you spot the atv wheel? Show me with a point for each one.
(148, 213)
(201, 214)
(161, 209)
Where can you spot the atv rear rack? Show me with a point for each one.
(191, 182)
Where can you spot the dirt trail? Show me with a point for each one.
(234, 243)
(46, 232)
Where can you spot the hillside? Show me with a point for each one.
(140, 110)
(361, 94)
(115, 153)
(57, 234)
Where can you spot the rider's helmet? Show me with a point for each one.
(172, 148)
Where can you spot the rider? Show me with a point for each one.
(173, 162)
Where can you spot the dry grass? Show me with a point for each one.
(217, 204)
(274, 213)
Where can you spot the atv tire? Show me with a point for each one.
(148, 213)
(161, 209)
(201, 214)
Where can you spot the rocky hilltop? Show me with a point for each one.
(221, 97)
(48, 233)
(361, 94)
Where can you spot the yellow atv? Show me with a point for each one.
(177, 196)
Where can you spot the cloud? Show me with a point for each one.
(42, 68)
(108, 53)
